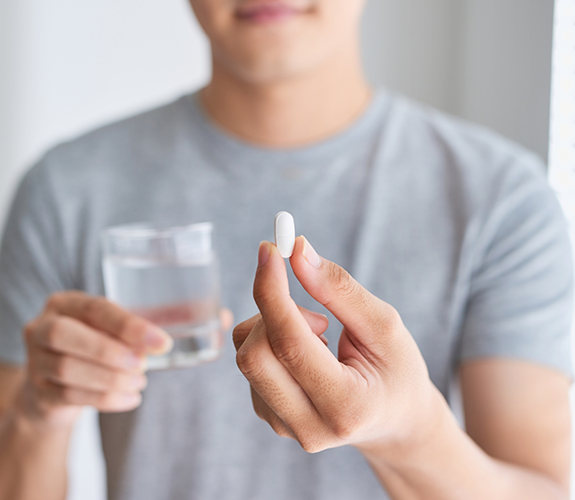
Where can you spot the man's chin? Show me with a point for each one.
(268, 77)
(275, 68)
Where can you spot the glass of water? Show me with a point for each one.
(168, 275)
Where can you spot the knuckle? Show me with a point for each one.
(67, 394)
(283, 431)
(239, 334)
(393, 318)
(389, 323)
(63, 368)
(36, 379)
(29, 329)
(54, 300)
(259, 296)
(345, 287)
(249, 362)
(55, 331)
(101, 352)
(279, 428)
(237, 337)
(342, 429)
(346, 422)
(94, 307)
(288, 352)
(133, 327)
(258, 404)
(343, 283)
(263, 298)
(260, 413)
(310, 444)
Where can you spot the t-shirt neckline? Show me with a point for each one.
(358, 130)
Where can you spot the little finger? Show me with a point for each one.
(102, 401)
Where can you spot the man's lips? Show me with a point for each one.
(268, 12)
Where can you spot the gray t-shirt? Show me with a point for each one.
(448, 222)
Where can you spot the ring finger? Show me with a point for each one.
(82, 374)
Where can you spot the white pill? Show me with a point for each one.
(284, 232)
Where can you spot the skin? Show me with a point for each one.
(377, 395)
(82, 350)
(287, 83)
(284, 83)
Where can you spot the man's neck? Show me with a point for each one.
(293, 112)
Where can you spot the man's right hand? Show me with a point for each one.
(85, 350)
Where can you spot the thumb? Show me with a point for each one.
(359, 311)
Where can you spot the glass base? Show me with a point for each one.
(193, 345)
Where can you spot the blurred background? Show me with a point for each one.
(68, 66)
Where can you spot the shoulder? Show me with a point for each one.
(477, 167)
(140, 139)
(477, 151)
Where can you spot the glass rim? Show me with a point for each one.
(151, 230)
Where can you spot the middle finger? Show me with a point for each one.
(316, 321)
(67, 335)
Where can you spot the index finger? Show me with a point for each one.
(112, 319)
(292, 340)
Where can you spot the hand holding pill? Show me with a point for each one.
(376, 393)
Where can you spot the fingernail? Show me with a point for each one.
(311, 255)
(318, 315)
(132, 361)
(324, 339)
(158, 339)
(263, 253)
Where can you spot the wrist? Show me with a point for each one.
(433, 426)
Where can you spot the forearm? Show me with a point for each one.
(32, 459)
(448, 465)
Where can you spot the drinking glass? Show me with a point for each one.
(168, 275)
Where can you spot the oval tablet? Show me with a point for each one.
(284, 232)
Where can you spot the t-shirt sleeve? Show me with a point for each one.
(32, 261)
(521, 295)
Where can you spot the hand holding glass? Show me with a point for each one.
(170, 277)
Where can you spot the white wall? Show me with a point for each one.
(505, 68)
(69, 65)
(562, 133)
(488, 61)
(408, 45)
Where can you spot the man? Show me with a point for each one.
(453, 227)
